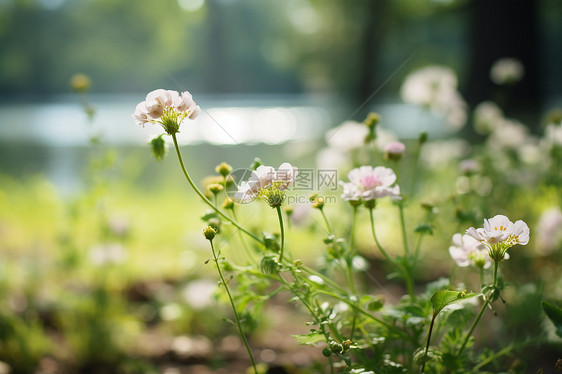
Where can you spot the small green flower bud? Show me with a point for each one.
(80, 83)
(256, 164)
(370, 204)
(372, 120)
(336, 347)
(215, 188)
(317, 201)
(355, 203)
(223, 169)
(289, 210)
(209, 233)
(158, 147)
(269, 265)
(228, 203)
(215, 224)
(422, 138)
(326, 352)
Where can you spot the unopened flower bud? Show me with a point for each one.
(269, 265)
(209, 233)
(80, 83)
(326, 352)
(215, 188)
(289, 210)
(422, 138)
(317, 201)
(372, 120)
(256, 164)
(228, 204)
(158, 147)
(223, 169)
(394, 151)
(370, 204)
(215, 224)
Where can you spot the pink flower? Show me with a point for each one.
(467, 251)
(266, 179)
(370, 183)
(394, 150)
(167, 108)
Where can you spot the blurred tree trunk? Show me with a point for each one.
(374, 14)
(505, 28)
(217, 64)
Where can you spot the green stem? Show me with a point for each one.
(330, 231)
(406, 273)
(280, 216)
(486, 302)
(237, 319)
(350, 268)
(204, 198)
(403, 225)
(428, 340)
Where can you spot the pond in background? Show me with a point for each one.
(52, 138)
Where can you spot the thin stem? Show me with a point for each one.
(205, 200)
(403, 225)
(280, 216)
(428, 340)
(486, 302)
(237, 319)
(406, 273)
(384, 253)
(327, 222)
(350, 268)
(418, 246)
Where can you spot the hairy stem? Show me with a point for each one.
(204, 198)
(236, 317)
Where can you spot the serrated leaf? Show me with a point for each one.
(555, 315)
(442, 298)
(310, 339)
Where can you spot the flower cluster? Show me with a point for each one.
(167, 108)
(435, 87)
(368, 183)
(507, 71)
(267, 183)
(499, 234)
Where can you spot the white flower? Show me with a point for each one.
(435, 87)
(267, 182)
(467, 251)
(499, 234)
(108, 254)
(167, 108)
(348, 136)
(487, 116)
(370, 183)
(469, 166)
(549, 231)
(507, 70)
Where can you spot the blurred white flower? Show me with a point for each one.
(507, 70)
(469, 166)
(438, 154)
(348, 136)
(107, 254)
(510, 134)
(467, 251)
(435, 87)
(487, 116)
(331, 158)
(198, 294)
(370, 183)
(549, 231)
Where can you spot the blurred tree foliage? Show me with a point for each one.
(243, 46)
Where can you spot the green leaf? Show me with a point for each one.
(442, 298)
(555, 314)
(310, 339)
